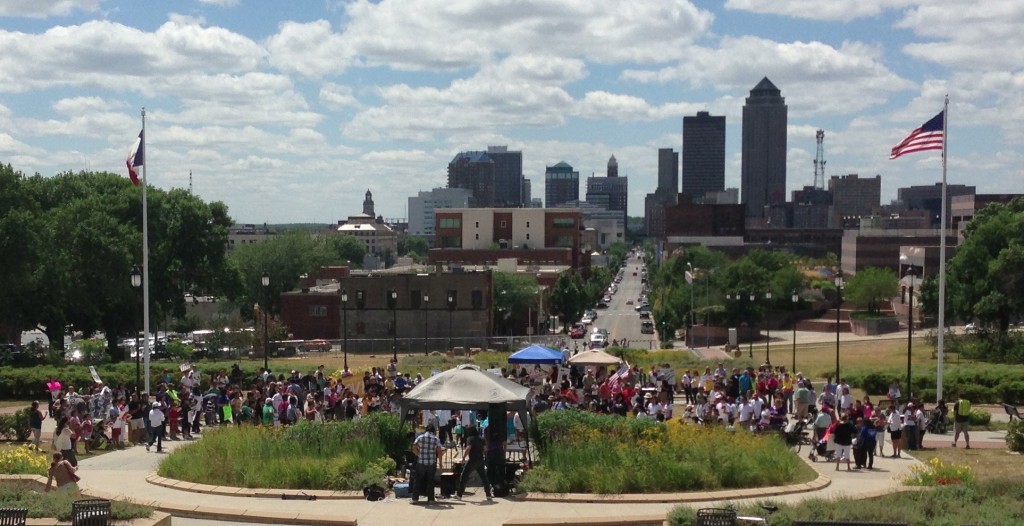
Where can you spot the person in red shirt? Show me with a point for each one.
(173, 418)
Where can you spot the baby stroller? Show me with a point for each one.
(796, 435)
(210, 410)
(938, 420)
(825, 448)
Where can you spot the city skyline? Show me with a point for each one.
(288, 114)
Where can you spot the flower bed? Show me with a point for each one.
(590, 453)
(57, 504)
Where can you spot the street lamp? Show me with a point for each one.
(839, 303)
(265, 280)
(768, 328)
(910, 325)
(136, 283)
(693, 279)
(426, 300)
(344, 328)
(394, 324)
(796, 299)
(451, 309)
(750, 323)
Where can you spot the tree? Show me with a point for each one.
(871, 286)
(985, 280)
(514, 296)
(617, 253)
(348, 249)
(568, 299)
(414, 246)
(284, 258)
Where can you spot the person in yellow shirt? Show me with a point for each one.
(787, 391)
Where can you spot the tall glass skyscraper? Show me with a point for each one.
(763, 172)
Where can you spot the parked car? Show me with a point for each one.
(629, 302)
(647, 327)
(577, 331)
(645, 315)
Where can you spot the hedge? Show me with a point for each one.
(979, 383)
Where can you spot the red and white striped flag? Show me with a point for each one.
(927, 137)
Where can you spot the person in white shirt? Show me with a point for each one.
(156, 425)
(846, 399)
(895, 422)
(746, 413)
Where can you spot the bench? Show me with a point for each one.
(846, 523)
(1012, 411)
(716, 517)
(13, 516)
(90, 512)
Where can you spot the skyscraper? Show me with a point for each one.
(763, 172)
(703, 155)
(613, 167)
(668, 172)
(474, 171)
(611, 192)
(508, 176)
(561, 185)
(667, 193)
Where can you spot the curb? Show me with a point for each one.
(264, 493)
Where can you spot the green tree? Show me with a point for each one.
(568, 299)
(284, 258)
(985, 279)
(872, 286)
(21, 246)
(617, 253)
(514, 296)
(347, 249)
(414, 246)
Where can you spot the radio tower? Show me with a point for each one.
(819, 161)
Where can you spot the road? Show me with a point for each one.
(621, 319)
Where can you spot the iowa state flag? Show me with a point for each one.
(136, 158)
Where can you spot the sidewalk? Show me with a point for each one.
(124, 473)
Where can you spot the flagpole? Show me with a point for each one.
(942, 253)
(145, 256)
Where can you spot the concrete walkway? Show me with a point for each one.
(124, 473)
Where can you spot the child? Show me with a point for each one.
(113, 422)
(173, 418)
(85, 433)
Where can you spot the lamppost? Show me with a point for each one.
(426, 300)
(768, 327)
(750, 323)
(344, 328)
(839, 303)
(265, 280)
(136, 283)
(796, 299)
(394, 324)
(451, 309)
(910, 325)
(693, 279)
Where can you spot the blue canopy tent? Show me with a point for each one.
(536, 354)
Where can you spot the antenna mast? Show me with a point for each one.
(819, 160)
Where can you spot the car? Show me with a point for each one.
(601, 305)
(634, 273)
(645, 314)
(577, 331)
(970, 327)
(629, 302)
(598, 340)
(647, 327)
(606, 299)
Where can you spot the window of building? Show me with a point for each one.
(477, 224)
(451, 222)
(502, 224)
(527, 224)
(360, 327)
(452, 299)
(562, 241)
(415, 299)
(360, 299)
(318, 310)
(527, 235)
(478, 299)
(564, 222)
(451, 242)
(477, 236)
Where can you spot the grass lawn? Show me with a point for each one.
(20, 404)
(986, 464)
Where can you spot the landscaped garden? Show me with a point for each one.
(57, 504)
(591, 453)
(343, 455)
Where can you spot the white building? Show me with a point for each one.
(421, 208)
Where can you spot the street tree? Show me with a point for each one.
(514, 296)
(871, 287)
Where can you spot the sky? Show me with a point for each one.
(288, 111)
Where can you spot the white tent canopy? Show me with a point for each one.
(466, 387)
(594, 357)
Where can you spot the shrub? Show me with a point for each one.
(980, 417)
(938, 473)
(1015, 436)
(577, 449)
(344, 455)
(57, 504)
(15, 426)
(24, 460)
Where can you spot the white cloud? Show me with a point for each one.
(45, 8)
(450, 35)
(114, 56)
(336, 96)
(840, 10)
(221, 3)
(980, 35)
(825, 80)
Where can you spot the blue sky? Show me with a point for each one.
(289, 111)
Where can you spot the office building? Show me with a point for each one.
(474, 171)
(422, 207)
(561, 185)
(667, 193)
(508, 177)
(703, 154)
(854, 197)
(763, 170)
(611, 192)
(929, 198)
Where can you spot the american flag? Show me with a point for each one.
(614, 379)
(926, 137)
